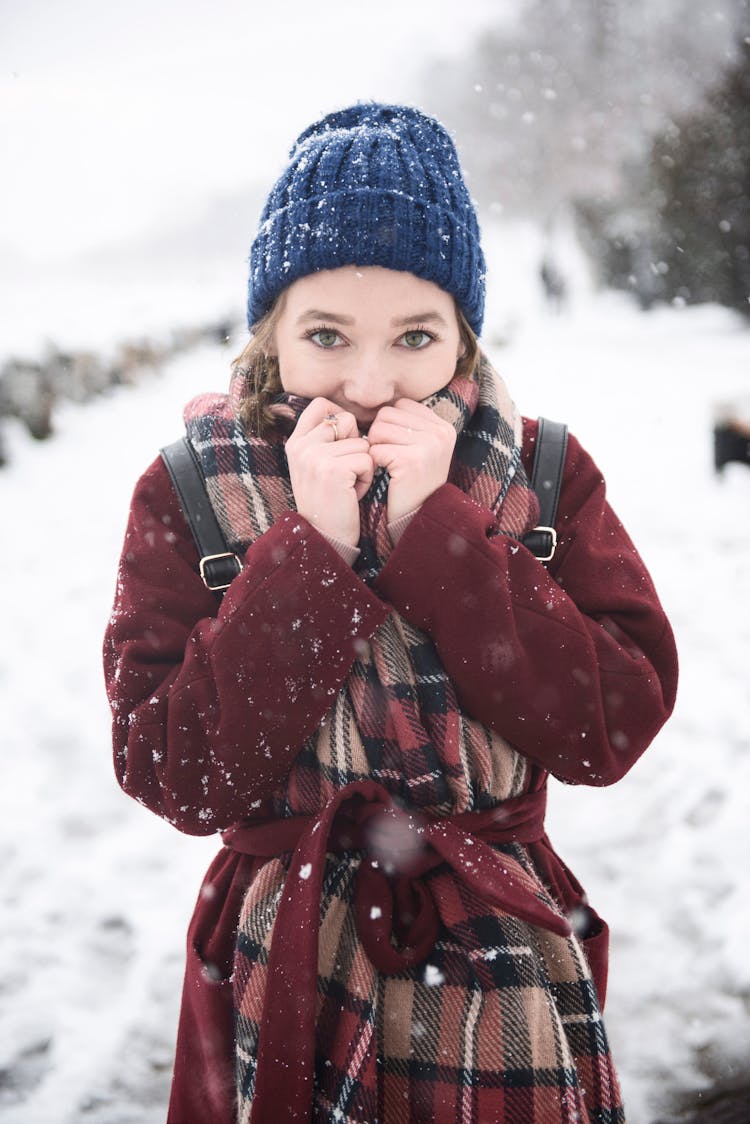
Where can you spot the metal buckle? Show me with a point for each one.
(216, 558)
(553, 540)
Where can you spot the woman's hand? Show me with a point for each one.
(416, 447)
(330, 469)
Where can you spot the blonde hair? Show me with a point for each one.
(259, 368)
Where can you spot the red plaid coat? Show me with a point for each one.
(181, 728)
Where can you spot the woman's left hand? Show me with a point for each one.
(416, 447)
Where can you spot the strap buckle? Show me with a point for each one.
(218, 577)
(542, 542)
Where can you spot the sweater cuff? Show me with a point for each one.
(349, 553)
(398, 526)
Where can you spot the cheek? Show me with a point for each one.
(303, 373)
(434, 374)
(291, 367)
(288, 376)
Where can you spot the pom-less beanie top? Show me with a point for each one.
(370, 185)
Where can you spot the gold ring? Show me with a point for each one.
(330, 419)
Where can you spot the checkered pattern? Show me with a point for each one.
(502, 1023)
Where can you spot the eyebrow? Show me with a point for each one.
(348, 321)
(418, 317)
(331, 317)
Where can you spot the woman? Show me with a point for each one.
(370, 714)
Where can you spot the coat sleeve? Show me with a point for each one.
(211, 704)
(575, 664)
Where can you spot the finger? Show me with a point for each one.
(384, 432)
(346, 424)
(340, 423)
(365, 470)
(408, 415)
(313, 415)
(326, 424)
(397, 416)
(351, 467)
(416, 409)
(314, 460)
(402, 427)
(362, 487)
(384, 456)
(347, 446)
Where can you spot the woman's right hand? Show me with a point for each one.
(330, 469)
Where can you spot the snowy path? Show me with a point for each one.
(96, 892)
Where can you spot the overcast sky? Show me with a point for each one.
(117, 120)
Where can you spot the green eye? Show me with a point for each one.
(325, 337)
(416, 339)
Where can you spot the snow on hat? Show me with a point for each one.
(370, 185)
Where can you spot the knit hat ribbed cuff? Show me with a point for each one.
(366, 227)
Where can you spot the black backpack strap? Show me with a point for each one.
(217, 564)
(546, 480)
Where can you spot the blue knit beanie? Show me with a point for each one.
(370, 185)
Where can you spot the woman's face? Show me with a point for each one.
(364, 336)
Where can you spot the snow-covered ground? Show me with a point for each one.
(96, 892)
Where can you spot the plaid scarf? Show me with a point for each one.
(248, 480)
(501, 1021)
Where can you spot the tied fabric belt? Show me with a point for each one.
(390, 898)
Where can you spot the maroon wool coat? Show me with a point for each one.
(591, 680)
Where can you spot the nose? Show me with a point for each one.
(367, 384)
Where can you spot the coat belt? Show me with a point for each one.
(391, 899)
